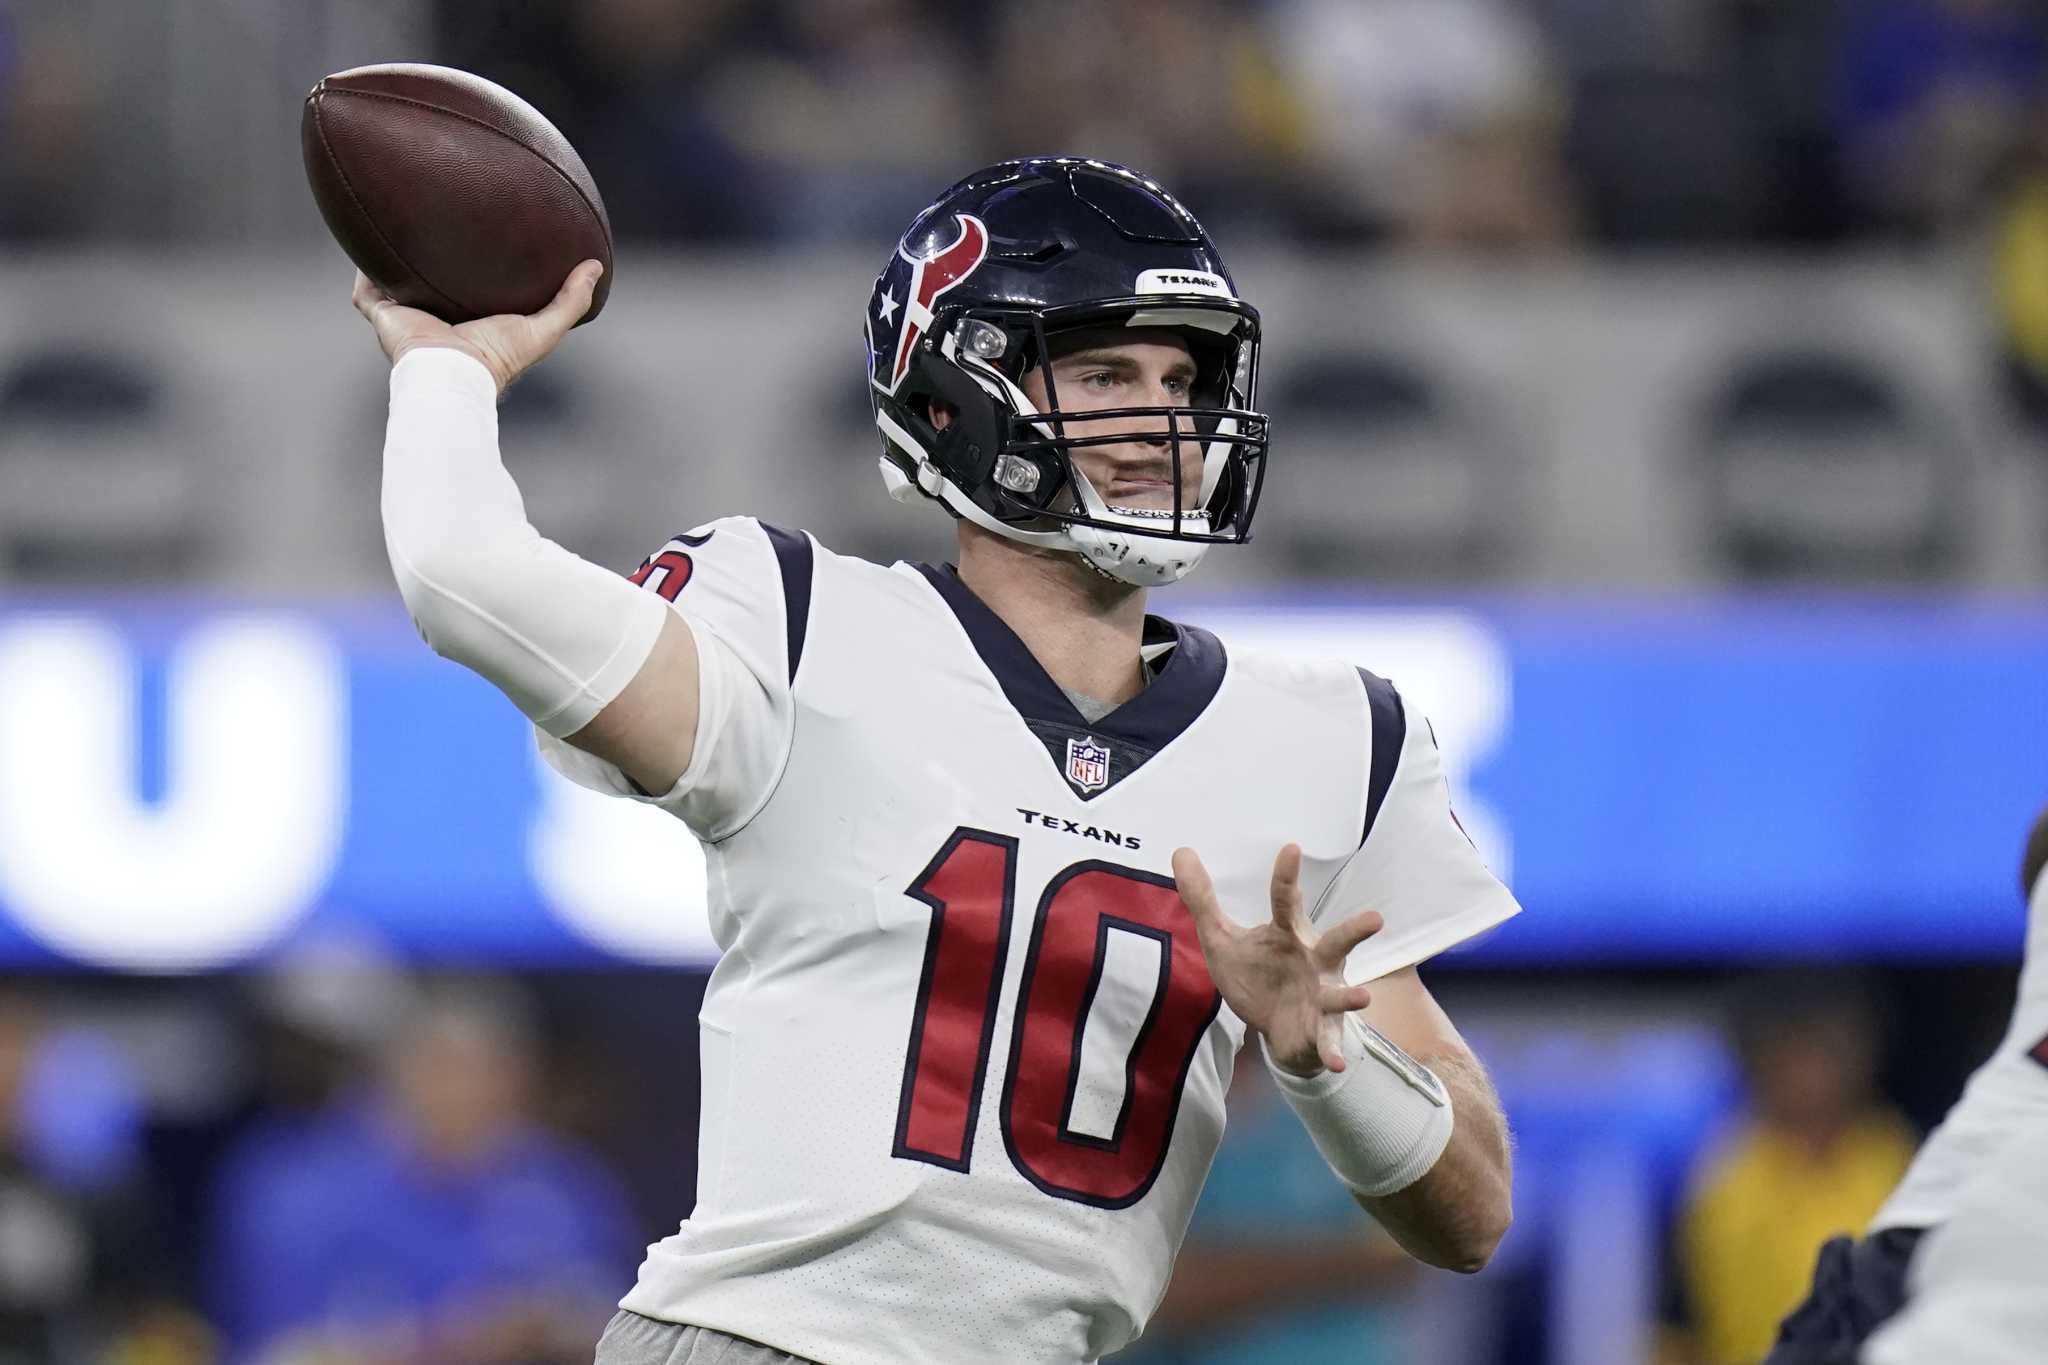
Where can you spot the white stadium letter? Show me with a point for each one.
(252, 815)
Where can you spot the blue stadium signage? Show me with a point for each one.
(186, 786)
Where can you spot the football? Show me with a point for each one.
(450, 192)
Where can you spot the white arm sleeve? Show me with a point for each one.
(1414, 864)
(744, 587)
(557, 634)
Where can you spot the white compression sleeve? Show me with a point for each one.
(1381, 1122)
(559, 635)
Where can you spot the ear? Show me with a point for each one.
(942, 414)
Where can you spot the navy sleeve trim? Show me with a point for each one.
(1389, 734)
(793, 554)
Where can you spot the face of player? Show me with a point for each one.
(1125, 367)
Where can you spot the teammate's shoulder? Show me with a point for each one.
(2034, 861)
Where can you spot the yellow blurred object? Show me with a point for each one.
(1267, 107)
(165, 1334)
(1758, 1214)
(2020, 258)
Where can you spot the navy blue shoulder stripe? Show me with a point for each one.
(793, 553)
(1389, 733)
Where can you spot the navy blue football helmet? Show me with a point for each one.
(970, 302)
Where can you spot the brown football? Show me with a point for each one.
(451, 193)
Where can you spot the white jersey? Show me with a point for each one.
(2006, 1095)
(963, 1064)
(1977, 1293)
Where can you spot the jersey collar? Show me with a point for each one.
(1188, 661)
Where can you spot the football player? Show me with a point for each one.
(1004, 869)
(1977, 1293)
(1858, 1285)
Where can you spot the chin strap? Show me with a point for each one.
(1133, 557)
(1130, 557)
(1140, 560)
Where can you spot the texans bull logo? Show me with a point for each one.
(931, 276)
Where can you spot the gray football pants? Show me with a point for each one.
(634, 1340)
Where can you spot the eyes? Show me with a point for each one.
(1106, 381)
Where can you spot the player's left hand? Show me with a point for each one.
(1283, 980)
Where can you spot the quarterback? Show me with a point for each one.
(1004, 869)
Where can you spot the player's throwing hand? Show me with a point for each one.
(508, 344)
(1283, 982)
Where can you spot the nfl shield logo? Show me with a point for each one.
(1087, 764)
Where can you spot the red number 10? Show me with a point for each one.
(971, 889)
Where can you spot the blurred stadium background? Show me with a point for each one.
(1661, 398)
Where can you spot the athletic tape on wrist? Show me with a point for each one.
(1380, 1123)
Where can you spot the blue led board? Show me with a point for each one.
(186, 785)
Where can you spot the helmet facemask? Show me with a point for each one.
(1007, 463)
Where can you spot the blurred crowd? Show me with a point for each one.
(1495, 125)
(1773, 424)
(334, 1160)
